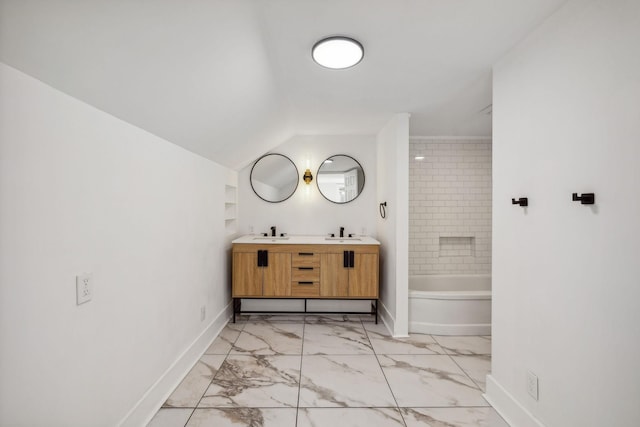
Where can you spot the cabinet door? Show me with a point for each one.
(334, 277)
(277, 275)
(363, 277)
(247, 276)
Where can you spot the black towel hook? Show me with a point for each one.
(584, 198)
(383, 211)
(522, 201)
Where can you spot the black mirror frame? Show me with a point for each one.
(364, 179)
(251, 181)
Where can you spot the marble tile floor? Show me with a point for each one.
(334, 371)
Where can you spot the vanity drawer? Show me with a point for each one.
(304, 288)
(305, 274)
(305, 259)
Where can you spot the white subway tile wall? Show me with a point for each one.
(450, 206)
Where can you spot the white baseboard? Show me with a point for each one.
(385, 316)
(440, 329)
(508, 407)
(152, 400)
(387, 319)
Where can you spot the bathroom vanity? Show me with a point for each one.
(305, 267)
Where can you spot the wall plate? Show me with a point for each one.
(84, 288)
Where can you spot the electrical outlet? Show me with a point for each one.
(532, 385)
(251, 229)
(363, 231)
(203, 313)
(84, 288)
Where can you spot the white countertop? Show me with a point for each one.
(307, 240)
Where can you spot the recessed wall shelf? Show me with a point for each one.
(457, 246)
(229, 210)
(231, 205)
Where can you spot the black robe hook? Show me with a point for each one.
(584, 198)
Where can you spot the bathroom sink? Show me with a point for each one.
(271, 238)
(342, 238)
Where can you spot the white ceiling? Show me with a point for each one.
(231, 79)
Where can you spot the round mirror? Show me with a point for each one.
(274, 178)
(340, 178)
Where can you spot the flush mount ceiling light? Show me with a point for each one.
(337, 52)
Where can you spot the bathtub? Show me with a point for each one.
(450, 305)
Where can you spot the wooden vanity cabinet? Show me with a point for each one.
(351, 273)
(305, 274)
(305, 271)
(247, 275)
(258, 272)
(334, 277)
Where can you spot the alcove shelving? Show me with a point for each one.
(231, 205)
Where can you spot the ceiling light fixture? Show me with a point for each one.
(419, 157)
(337, 52)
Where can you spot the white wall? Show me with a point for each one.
(82, 191)
(450, 206)
(393, 231)
(566, 281)
(307, 211)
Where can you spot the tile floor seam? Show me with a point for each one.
(456, 354)
(189, 418)
(193, 409)
(385, 377)
(460, 367)
(446, 407)
(304, 327)
(463, 371)
(466, 373)
(226, 355)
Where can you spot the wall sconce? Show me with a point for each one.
(307, 177)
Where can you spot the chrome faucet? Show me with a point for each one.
(341, 231)
(273, 231)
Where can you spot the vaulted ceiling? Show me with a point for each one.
(230, 79)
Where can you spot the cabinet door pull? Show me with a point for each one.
(305, 283)
(260, 258)
(266, 259)
(305, 253)
(352, 256)
(305, 268)
(345, 259)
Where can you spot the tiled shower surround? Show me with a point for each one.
(450, 206)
